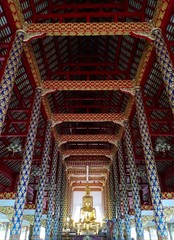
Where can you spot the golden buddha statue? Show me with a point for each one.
(87, 212)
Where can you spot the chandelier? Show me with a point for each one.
(162, 145)
(15, 146)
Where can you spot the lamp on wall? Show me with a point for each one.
(162, 145)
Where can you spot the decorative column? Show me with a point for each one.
(108, 199)
(25, 169)
(134, 183)
(41, 186)
(66, 193)
(102, 200)
(105, 210)
(62, 204)
(51, 193)
(118, 201)
(57, 200)
(9, 76)
(151, 167)
(165, 63)
(124, 192)
(69, 199)
(112, 194)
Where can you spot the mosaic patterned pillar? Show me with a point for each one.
(134, 183)
(151, 167)
(9, 76)
(57, 200)
(51, 193)
(165, 63)
(124, 192)
(112, 194)
(108, 199)
(104, 202)
(62, 204)
(118, 202)
(25, 169)
(65, 195)
(69, 199)
(41, 186)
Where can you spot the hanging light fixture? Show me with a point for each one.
(162, 145)
(15, 146)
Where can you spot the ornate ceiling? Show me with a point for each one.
(88, 63)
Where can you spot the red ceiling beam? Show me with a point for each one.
(87, 15)
(88, 107)
(95, 58)
(87, 5)
(87, 98)
(108, 73)
(87, 158)
(87, 128)
(88, 64)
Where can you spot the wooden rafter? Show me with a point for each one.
(87, 163)
(88, 29)
(69, 152)
(100, 117)
(62, 138)
(122, 85)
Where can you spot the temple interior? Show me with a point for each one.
(86, 119)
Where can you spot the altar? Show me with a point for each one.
(87, 224)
